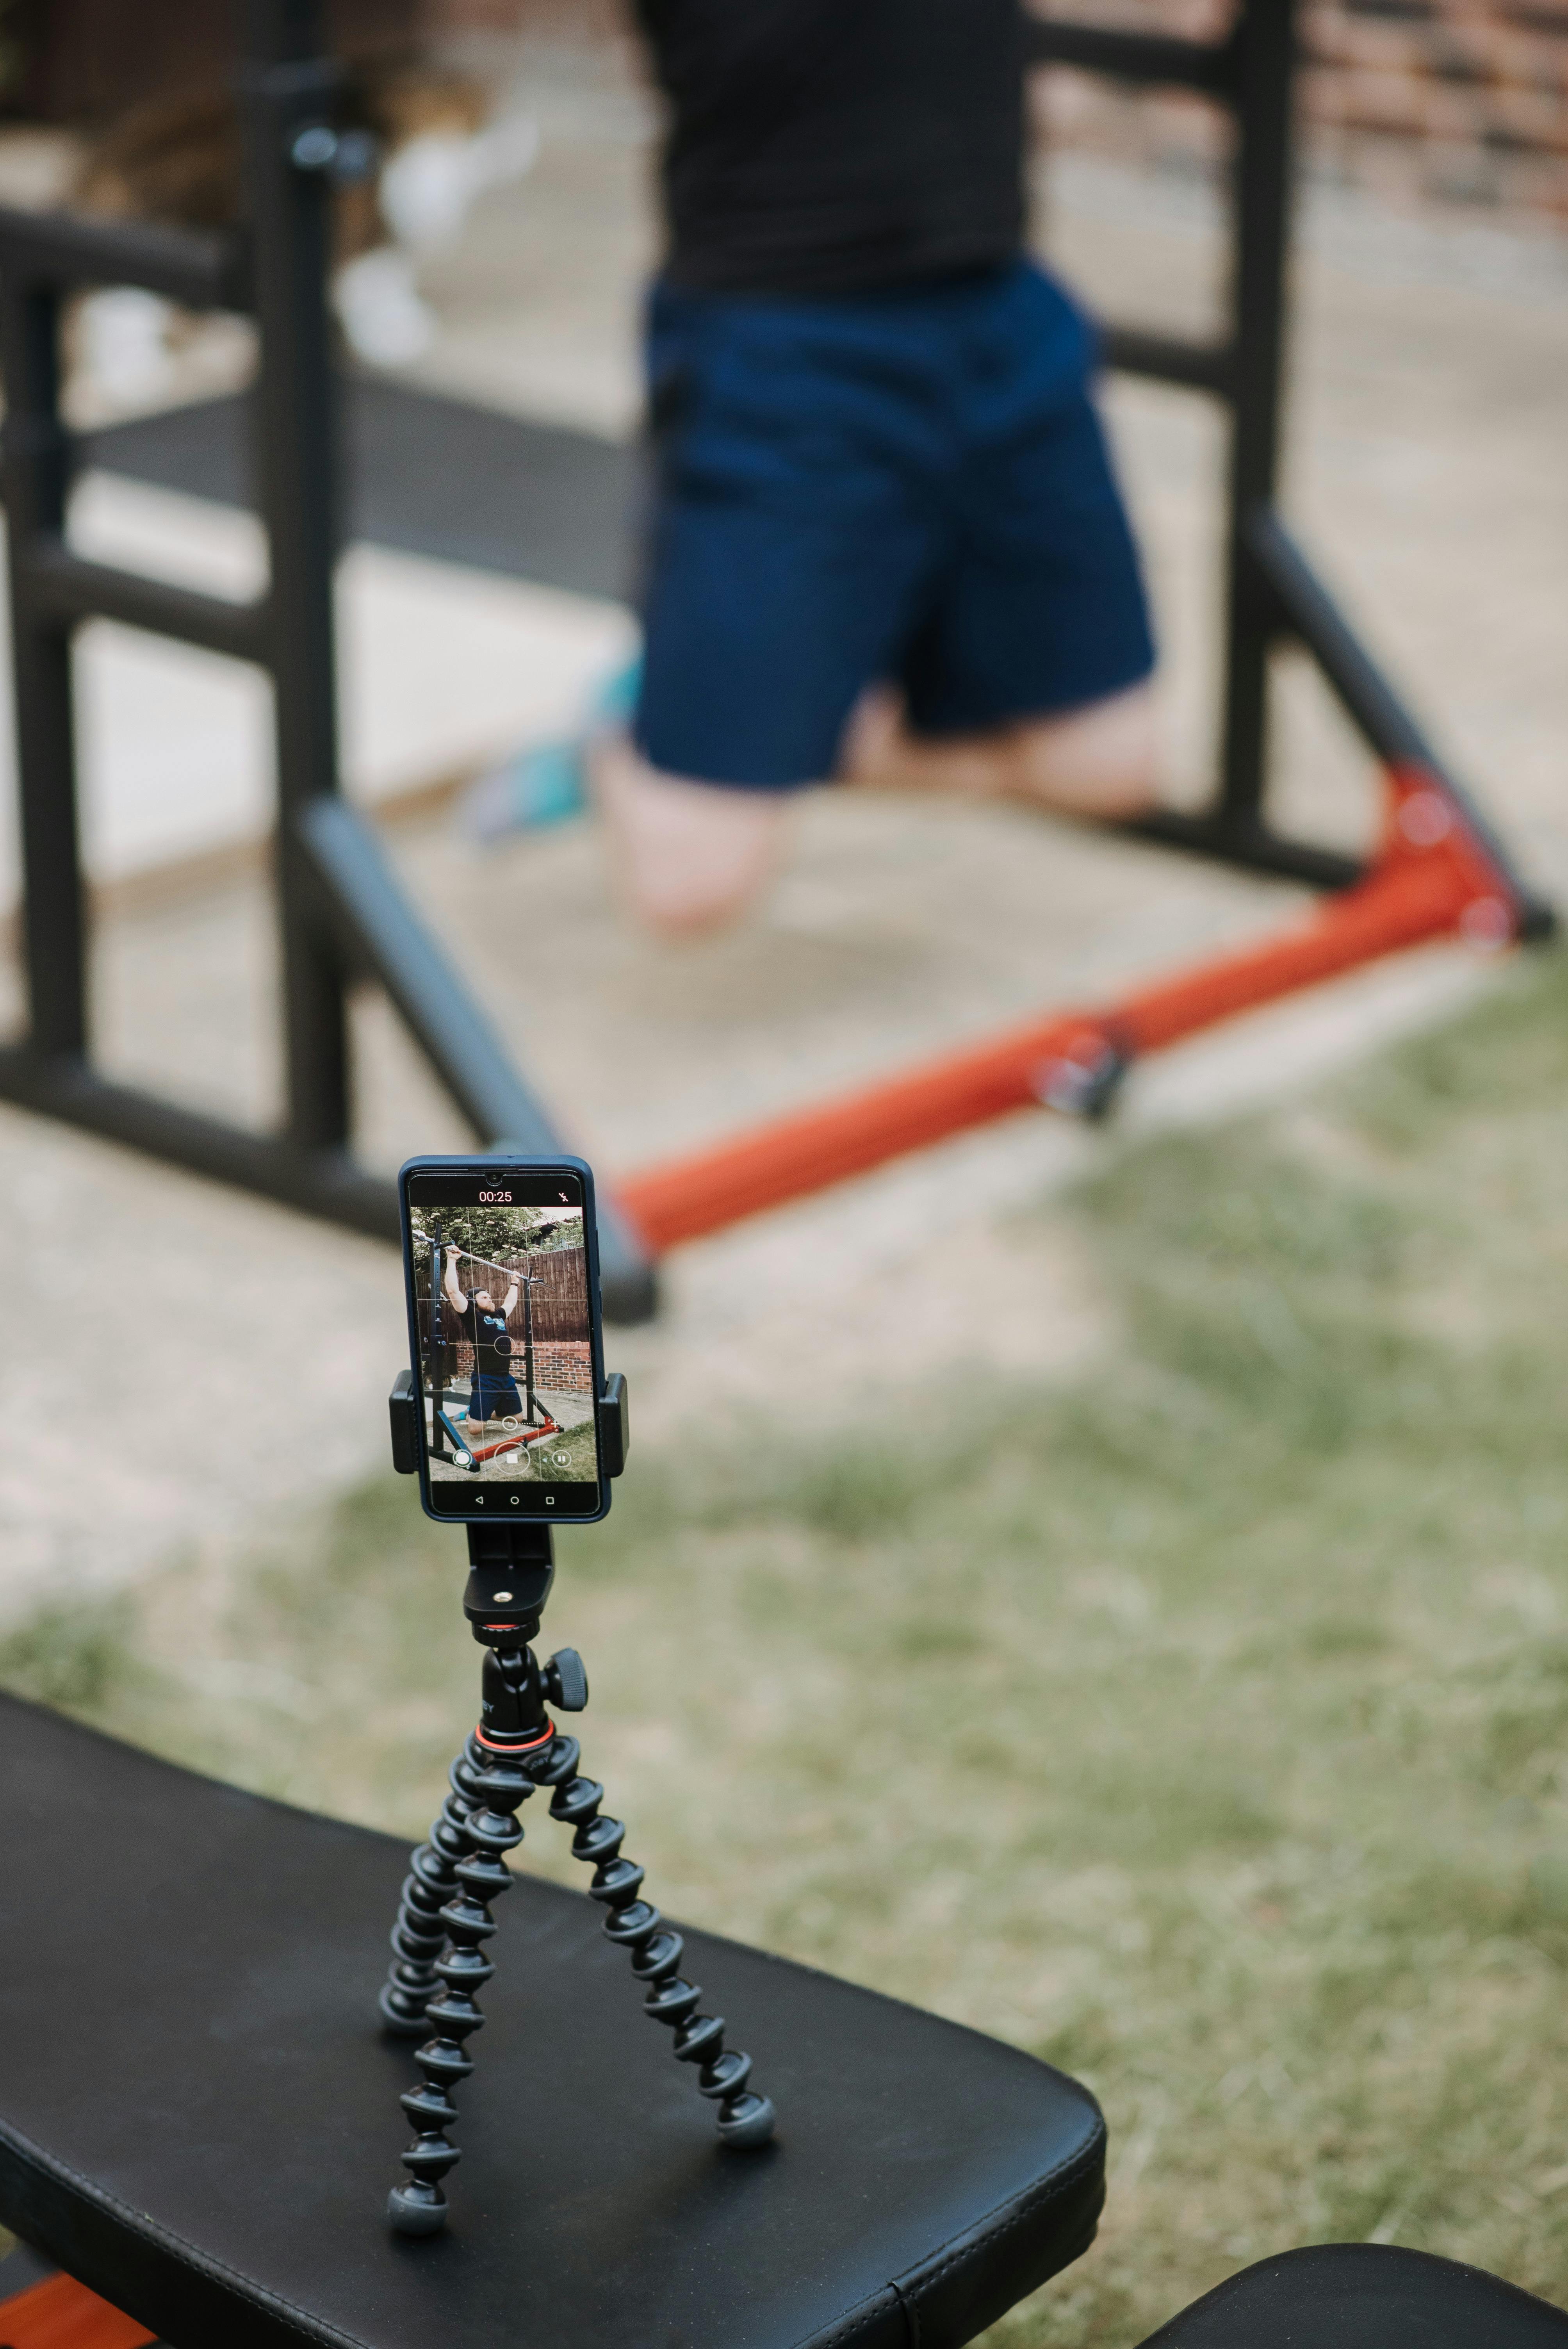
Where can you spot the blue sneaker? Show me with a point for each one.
(547, 782)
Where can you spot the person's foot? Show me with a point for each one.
(538, 787)
(547, 782)
(688, 858)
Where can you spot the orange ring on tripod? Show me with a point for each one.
(492, 1747)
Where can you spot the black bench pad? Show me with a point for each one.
(1364, 2297)
(199, 2121)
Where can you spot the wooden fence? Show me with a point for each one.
(560, 1299)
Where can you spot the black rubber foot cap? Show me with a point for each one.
(404, 2026)
(417, 2209)
(752, 2122)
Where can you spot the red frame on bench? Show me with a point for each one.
(61, 2313)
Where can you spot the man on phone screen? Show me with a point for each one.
(493, 1393)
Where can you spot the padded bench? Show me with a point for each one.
(1364, 2297)
(199, 2115)
(198, 2123)
(1331, 2296)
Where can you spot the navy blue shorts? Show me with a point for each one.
(493, 1397)
(911, 488)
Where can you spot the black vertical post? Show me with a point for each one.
(34, 467)
(438, 1352)
(287, 90)
(529, 1400)
(1260, 195)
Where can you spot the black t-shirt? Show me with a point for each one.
(482, 1330)
(835, 146)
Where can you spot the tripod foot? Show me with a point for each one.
(417, 2209)
(749, 2123)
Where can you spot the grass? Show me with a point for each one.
(1201, 1727)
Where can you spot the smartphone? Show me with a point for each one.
(501, 1266)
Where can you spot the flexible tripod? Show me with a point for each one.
(444, 1919)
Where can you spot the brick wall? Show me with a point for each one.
(562, 1364)
(1455, 101)
(1465, 99)
(566, 1369)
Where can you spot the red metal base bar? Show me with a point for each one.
(1431, 879)
(61, 2313)
(511, 1442)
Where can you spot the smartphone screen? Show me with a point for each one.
(502, 1292)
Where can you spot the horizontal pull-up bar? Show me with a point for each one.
(521, 1279)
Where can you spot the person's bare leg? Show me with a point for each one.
(1101, 760)
(692, 857)
(686, 858)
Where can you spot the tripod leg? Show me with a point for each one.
(494, 1791)
(418, 1937)
(744, 2118)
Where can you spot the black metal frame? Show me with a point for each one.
(438, 1350)
(1272, 597)
(342, 915)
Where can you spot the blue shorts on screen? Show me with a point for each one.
(910, 488)
(493, 1397)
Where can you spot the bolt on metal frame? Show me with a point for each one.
(342, 913)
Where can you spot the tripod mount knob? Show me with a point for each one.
(566, 1680)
